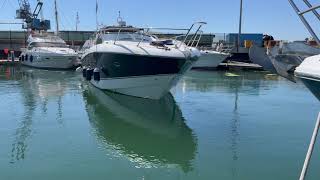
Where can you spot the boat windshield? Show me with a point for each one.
(48, 44)
(46, 41)
(136, 37)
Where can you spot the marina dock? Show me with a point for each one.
(9, 62)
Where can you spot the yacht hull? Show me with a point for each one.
(210, 60)
(150, 87)
(52, 62)
(313, 85)
(140, 76)
(309, 73)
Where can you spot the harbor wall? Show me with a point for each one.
(15, 40)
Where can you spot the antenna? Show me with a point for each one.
(240, 26)
(77, 21)
(57, 18)
(97, 9)
(120, 20)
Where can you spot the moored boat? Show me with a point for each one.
(309, 73)
(48, 52)
(282, 59)
(210, 59)
(130, 61)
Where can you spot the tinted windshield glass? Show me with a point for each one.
(125, 37)
(48, 44)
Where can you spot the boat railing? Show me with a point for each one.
(301, 14)
(117, 36)
(196, 39)
(193, 41)
(142, 36)
(222, 47)
(225, 47)
(195, 35)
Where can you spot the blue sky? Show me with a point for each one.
(275, 17)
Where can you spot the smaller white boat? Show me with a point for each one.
(210, 59)
(48, 52)
(309, 73)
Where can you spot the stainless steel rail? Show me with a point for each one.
(301, 14)
(310, 150)
(200, 24)
(117, 36)
(195, 38)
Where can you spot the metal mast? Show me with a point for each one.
(240, 26)
(56, 16)
(97, 10)
(77, 21)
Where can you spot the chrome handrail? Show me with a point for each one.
(195, 38)
(142, 36)
(190, 29)
(117, 36)
(301, 14)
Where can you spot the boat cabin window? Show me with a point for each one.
(126, 37)
(48, 44)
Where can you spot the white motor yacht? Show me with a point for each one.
(309, 73)
(129, 61)
(48, 52)
(210, 59)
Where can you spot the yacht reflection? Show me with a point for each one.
(147, 132)
(48, 86)
(24, 130)
(249, 83)
(9, 73)
(38, 87)
(234, 135)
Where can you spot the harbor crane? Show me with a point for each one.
(31, 18)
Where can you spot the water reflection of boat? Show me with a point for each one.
(37, 87)
(147, 132)
(250, 83)
(46, 84)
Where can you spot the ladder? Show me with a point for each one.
(311, 8)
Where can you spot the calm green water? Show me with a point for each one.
(254, 126)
